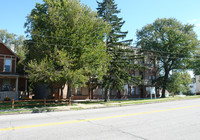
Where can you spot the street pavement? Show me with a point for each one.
(177, 120)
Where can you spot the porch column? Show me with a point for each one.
(26, 85)
(16, 84)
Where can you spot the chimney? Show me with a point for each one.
(12, 47)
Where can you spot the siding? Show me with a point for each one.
(1, 65)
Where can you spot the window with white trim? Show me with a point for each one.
(7, 65)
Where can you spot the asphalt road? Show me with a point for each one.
(177, 120)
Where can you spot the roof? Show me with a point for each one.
(8, 49)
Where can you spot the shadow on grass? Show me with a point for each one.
(42, 110)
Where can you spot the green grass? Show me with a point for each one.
(143, 101)
(75, 106)
(27, 105)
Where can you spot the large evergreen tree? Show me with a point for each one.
(118, 73)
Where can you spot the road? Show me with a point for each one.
(177, 120)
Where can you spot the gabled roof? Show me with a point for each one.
(7, 49)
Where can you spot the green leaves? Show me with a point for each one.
(179, 82)
(68, 39)
(118, 71)
(171, 42)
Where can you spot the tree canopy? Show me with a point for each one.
(172, 44)
(179, 82)
(66, 43)
(11, 38)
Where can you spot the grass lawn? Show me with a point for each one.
(87, 104)
(29, 104)
(140, 101)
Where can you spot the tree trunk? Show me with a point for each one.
(119, 94)
(165, 83)
(107, 96)
(163, 92)
(61, 95)
(69, 94)
(89, 91)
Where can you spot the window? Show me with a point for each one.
(149, 77)
(129, 90)
(132, 76)
(142, 76)
(133, 91)
(131, 61)
(6, 85)
(7, 65)
(152, 77)
(78, 91)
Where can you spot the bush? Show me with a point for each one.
(26, 98)
(7, 99)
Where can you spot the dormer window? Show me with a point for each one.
(7, 65)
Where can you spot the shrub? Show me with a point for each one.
(26, 98)
(7, 99)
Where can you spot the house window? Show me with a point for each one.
(6, 86)
(149, 77)
(132, 76)
(152, 77)
(141, 74)
(78, 91)
(7, 65)
(133, 91)
(131, 61)
(129, 90)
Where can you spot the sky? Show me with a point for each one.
(135, 13)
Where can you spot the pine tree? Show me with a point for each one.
(118, 73)
(108, 11)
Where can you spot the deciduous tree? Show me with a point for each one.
(69, 29)
(172, 44)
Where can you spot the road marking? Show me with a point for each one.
(95, 119)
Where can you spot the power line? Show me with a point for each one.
(124, 52)
(142, 49)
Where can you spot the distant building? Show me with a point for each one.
(192, 88)
(197, 84)
(149, 74)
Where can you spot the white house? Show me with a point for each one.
(197, 84)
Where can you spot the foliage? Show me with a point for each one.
(118, 73)
(172, 44)
(195, 63)
(26, 98)
(7, 99)
(11, 38)
(66, 43)
(179, 82)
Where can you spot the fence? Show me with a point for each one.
(43, 102)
